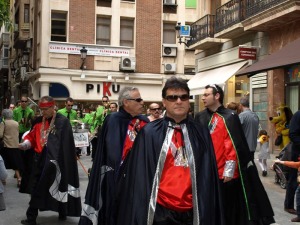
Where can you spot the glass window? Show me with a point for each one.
(26, 13)
(58, 26)
(169, 33)
(126, 32)
(103, 31)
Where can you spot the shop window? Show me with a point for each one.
(169, 33)
(58, 26)
(103, 31)
(126, 32)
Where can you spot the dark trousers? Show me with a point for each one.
(94, 146)
(164, 216)
(291, 183)
(33, 212)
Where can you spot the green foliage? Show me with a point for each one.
(4, 13)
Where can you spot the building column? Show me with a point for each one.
(44, 89)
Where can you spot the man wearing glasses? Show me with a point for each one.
(244, 198)
(155, 112)
(170, 176)
(54, 180)
(68, 112)
(23, 115)
(114, 144)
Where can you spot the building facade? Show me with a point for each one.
(128, 43)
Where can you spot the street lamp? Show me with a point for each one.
(83, 53)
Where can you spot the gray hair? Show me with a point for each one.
(125, 94)
(7, 114)
(244, 101)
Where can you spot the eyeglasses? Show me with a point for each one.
(69, 105)
(23, 101)
(174, 98)
(207, 94)
(155, 109)
(136, 99)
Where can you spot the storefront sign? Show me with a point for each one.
(107, 87)
(92, 50)
(247, 53)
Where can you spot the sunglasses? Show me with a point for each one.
(174, 98)
(104, 101)
(69, 105)
(155, 109)
(23, 101)
(136, 99)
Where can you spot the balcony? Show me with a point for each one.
(228, 19)
(21, 35)
(264, 15)
(202, 34)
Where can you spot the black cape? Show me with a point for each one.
(255, 197)
(139, 170)
(99, 205)
(54, 177)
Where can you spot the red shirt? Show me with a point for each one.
(223, 145)
(175, 189)
(34, 136)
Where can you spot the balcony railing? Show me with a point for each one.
(202, 28)
(254, 7)
(229, 14)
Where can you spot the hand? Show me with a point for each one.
(22, 146)
(278, 161)
(226, 179)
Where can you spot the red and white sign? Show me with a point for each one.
(247, 53)
(92, 50)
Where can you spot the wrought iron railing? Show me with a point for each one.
(202, 29)
(254, 7)
(229, 14)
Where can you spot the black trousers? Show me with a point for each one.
(164, 216)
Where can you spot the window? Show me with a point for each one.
(169, 35)
(58, 26)
(26, 13)
(103, 31)
(126, 32)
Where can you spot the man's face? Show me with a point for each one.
(155, 110)
(24, 102)
(177, 104)
(113, 108)
(210, 101)
(11, 106)
(105, 101)
(135, 104)
(69, 105)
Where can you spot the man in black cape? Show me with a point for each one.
(54, 180)
(244, 197)
(170, 179)
(116, 139)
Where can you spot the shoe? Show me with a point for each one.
(291, 211)
(62, 217)
(28, 222)
(296, 219)
(264, 173)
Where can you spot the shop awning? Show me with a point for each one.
(215, 76)
(288, 55)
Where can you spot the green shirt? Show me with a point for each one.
(23, 117)
(72, 115)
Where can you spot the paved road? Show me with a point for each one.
(17, 203)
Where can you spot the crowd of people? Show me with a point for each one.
(162, 167)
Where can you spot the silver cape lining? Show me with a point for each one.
(229, 168)
(89, 211)
(160, 165)
(54, 189)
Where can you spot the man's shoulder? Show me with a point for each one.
(61, 110)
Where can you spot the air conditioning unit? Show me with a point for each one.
(127, 63)
(169, 50)
(170, 67)
(169, 2)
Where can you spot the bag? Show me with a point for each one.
(278, 140)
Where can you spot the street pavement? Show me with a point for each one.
(17, 203)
